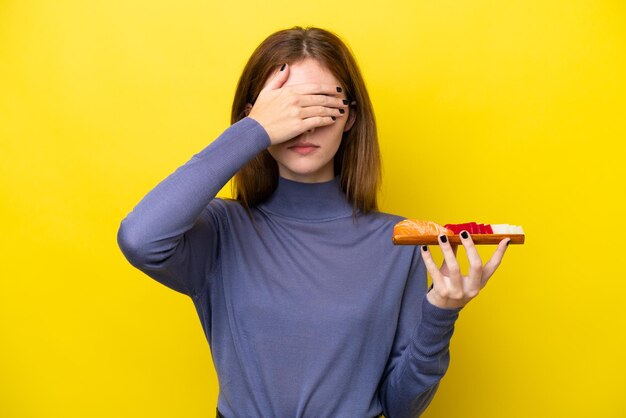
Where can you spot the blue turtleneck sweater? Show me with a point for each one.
(310, 314)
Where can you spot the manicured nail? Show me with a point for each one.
(334, 118)
(345, 101)
(444, 239)
(464, 234)
(424, 248)
(283, 67)
(338, 89)
(342, 111)
(508, 242)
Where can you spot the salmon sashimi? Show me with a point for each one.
(418, 227)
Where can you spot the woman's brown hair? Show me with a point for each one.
(357, 161)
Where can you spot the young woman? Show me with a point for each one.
(308, 308)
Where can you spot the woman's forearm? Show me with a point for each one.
(149, 234)
(410, 387)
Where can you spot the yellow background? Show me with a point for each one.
(496, 112)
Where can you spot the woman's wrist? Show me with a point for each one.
(441, 303)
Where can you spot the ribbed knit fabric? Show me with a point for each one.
(311, 314)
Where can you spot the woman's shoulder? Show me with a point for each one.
(384, 217)
(223, 208)
(380, 225)
(380, 222)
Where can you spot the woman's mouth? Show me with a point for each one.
(303, 149)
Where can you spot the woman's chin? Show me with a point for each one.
(306, 174)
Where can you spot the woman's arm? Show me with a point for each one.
(171, 234)
(418, 364)
(420, 354)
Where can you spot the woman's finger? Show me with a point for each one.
(495, 260)
(473, 284)
(432, 268)
(309, 100)
(316, 88)
(444, 266)
(311, 111)
(454, 271)
(317, 121)
(278, 78)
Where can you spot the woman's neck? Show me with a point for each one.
(308, 201)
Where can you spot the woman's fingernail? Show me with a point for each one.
(338, 89)
(508, 242)
(443, 238)
(424, 248)
(283, 67)
(345, 101)
(464, 234)
(334, 118)
(342, 111)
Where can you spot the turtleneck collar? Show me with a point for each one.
(308, 201)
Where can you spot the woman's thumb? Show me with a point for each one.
(279, 79)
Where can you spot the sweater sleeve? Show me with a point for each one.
(420, 352)
(171, 234)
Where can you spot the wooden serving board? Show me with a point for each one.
(479, 239)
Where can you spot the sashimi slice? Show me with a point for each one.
(456, 228)
(466, 226)
(419, 227)
(476, 228)
(507, 229)
(500, 228)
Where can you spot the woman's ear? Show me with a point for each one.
(351, 119)
(248, 108)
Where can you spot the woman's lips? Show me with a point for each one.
(303, 150)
